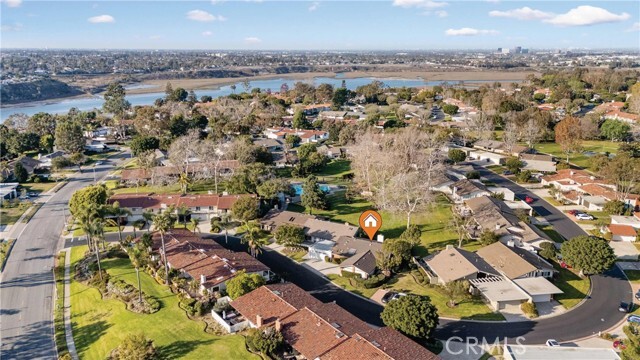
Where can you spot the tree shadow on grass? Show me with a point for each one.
(86, 335)
(180, 349)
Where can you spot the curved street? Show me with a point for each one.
(27, 284)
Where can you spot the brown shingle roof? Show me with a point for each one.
(265, 303)
(453, 264)
(398, 346)
(513, 262)
(148, 201)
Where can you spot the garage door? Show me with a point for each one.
(541, 298)
(508, 304)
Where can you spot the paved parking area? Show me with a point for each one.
(549, 309)
(325, 268)
(624, 250)
(513, 313)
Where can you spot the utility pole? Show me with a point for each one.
(64, 214)
(94, 174)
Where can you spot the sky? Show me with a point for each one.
(320, 25)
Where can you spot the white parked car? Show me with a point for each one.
(583, 216)
(552, 343)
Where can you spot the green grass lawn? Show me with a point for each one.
(469, 309)
(38, 187)
(100, 325)
(198, 187)
(554, 235)
(4, 249)
(336, 168)
(346, 284)
(77, 231)
(433, 223)
(552, 201)
(580, 159)
(58, 311)
(295, 255)
(575, 287)
(9, 216)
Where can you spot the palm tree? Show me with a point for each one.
(118, 212)
(184, 181)
(196, 223)
(163, 222)
(137, 257)
(95, 230)
(85, 219)
(255, 239)
(148, 218)
(183, 213)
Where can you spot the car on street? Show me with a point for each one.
(583, 216)
(637, 296)
(507, 172)
(619, 344)
(625, 307)
(99, 163)
(552, 343)
(564, 265)
(32, 194)
(528, 199)
(573, 212)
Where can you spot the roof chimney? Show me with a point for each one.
(510, 243)
(258, 321)
(203, 279)
(278, 325)
(571, 173)
(449, 247)
(380, 238)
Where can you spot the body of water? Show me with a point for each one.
(298, 188)
(89, 103)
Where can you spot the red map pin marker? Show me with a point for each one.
(370, 222)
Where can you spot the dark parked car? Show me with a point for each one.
(389, 296)
(625, 307)
(507, 172)
(638, 295)
(573, 212)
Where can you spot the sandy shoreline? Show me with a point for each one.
(470, 76)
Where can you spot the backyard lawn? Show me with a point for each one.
(100, 325)
(345, 283)
(633, 275)
(575, 287)
(580, 159)
(433, 223)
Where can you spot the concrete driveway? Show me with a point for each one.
(624, 250)
(323, 267)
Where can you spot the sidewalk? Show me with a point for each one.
(67, 306)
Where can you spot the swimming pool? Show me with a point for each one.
(298, 188)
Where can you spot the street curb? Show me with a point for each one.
(6, 255)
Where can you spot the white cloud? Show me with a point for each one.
(12, 3)
(314, 6)
(442, 13)
(207, 33)
(469, 32)
(101, 19)
(11, 27)
(525, 13)
(586, 15)
(428, 4)
(634, 27)
(201, 15)
(252, 40)
(155, 37)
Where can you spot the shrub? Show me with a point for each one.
(529, 308)
(374, 281)
(349, 274)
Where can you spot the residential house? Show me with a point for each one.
(514, 262)
(205, 261)
(623, 232)
(160, 157)
(315, 109)
(633, 221)
(538, 162)
(323, 331)
(571, 183)
(306, 136)
(488, 157)
(494, 215)
(8, 191)
(100, 133)
(329, 151)
(200, 206)
(28, 163)
(465, 189)
(271, 145)
(46, 160)
(332, 115)
(357, 254)
(452, 264)
(95, 146)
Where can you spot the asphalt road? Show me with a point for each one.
(26, 284)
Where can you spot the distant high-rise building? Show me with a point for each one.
(499, 50)
(505, 51)
(525, 51)
(518, 50)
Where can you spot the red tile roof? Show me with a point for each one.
(148, 201)
(579, 177)
(622, 230)
(309, 334)
(265, 303)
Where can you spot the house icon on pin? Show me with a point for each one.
(370, 221)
